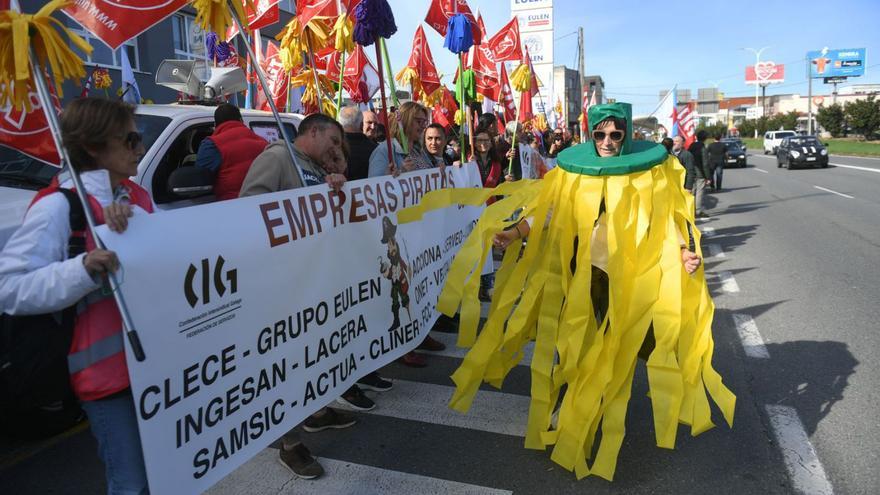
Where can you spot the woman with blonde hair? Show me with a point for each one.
(413, 118)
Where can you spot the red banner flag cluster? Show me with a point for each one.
(441, 11)
(506, 44)
(485, 67)
(421, 61)
(265, 14)
(277, 78)
(28, 132)
(506, 96)
(360, 77)
(114, 23)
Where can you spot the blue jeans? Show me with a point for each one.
(718, 173)
(114, 425)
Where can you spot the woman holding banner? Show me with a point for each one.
(40, 273)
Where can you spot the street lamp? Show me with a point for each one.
(757, 61)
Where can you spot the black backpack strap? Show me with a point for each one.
(77, 242)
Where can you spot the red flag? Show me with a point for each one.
(441, 10)
(506, 98)
(526, 112)
(312, 9)
(266, 14)
(277, 78)
(328, 60)
(28, 132)
(423, 62)
(444, 111)
(686, 123)
(360, 77)
(506, 43)
(585, 123)
(116, 22)
(485, 67)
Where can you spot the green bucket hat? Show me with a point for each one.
(635, 156)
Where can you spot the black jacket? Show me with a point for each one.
(701, 159)
(359, 160)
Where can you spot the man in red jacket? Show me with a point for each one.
(229, 152)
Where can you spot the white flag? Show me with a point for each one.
(130, 92)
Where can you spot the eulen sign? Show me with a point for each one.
(765, 73)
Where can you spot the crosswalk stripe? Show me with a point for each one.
(453, 351)
(715, 251)
(264, 474)
(708, 232)
(725, 280)
(494, 412)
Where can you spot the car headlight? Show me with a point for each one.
(794, 154)
(824, 152)
(742, 156)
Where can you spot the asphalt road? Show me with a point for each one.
(793, 270)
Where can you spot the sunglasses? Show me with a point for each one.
(132, 139)
(616, 136)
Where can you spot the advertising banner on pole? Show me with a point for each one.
(765, 73)
(257, 312)
(848, 62)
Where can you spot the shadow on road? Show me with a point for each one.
(809, 376)
(747, 207)
(730, 238)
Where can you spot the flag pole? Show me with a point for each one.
(513, 141)
(384, 101)
(45, 98)
(341, 80)
(401, 134)
(269, 99)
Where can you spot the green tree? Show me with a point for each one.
(863, 116)
(717, 128)
(833, 119)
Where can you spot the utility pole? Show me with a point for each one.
(809, 97)
(757, 61)
(582, 75)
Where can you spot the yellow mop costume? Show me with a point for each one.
(540, 297)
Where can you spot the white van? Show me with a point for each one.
(172, 134)
(772, 139)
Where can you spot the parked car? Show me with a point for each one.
(172, 134)
(801, 151)
(772, 139)
(735, 156)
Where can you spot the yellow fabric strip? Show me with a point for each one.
(538, 296)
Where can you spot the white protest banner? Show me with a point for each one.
(257, 312)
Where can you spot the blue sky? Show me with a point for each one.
(640, 48)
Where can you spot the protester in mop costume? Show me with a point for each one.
(396, 270)
(543, 293)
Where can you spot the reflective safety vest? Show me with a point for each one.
(96, 360)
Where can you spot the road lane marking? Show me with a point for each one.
(453, 351)
(756, 169)
(708, 232)
(833, 192)
(264, 474)
(806, 472)
(715, 251)
(726, 280)
(856, 168)
(752, 343)
(494, 412)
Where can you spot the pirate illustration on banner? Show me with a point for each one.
(397, 271)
